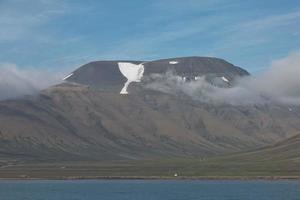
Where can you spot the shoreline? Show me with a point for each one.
(182, 178)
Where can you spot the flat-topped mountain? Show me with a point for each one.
(113, 74)
(86, 118)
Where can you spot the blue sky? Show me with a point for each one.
(56, 34)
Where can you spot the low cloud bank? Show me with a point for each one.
(281, 81)
(15, 82)
(279, 84)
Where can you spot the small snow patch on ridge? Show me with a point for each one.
(173, 62)
(67, 77)
(225, 79)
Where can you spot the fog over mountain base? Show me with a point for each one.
(278, 84)
(16, 82)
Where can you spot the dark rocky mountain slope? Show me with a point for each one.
(106, 74)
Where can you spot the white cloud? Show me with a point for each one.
(20, 19)
(271, 21)
(189, 5)
(147, 45)
(15, 82)
(253, 32)
(279, 84)
(282, 80)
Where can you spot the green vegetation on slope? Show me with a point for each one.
(280, 160)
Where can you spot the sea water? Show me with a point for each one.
(149, 189)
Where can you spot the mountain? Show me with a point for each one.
(107, 74)
(86, 117)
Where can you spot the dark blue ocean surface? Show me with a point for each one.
(149, 189)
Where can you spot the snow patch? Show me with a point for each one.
(133, 73)
(225, 79)
(173, 62)
(67, 77)
(197, 78)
